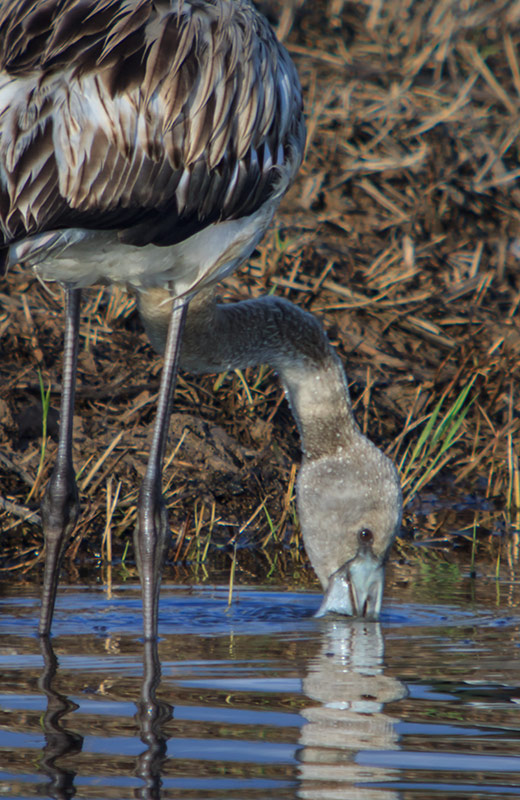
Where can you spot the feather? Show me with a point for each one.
(152, 118)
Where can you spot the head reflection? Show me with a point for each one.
(347, 690)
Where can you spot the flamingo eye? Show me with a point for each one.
(366, 536)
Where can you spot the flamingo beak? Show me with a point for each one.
(356, 588)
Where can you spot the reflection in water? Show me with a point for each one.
(268, 702)
(59, 741)
(347, 683)
(152, 715)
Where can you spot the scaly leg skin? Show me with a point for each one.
(150, 537)
(60, 504)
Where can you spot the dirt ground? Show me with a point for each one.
(402, 234)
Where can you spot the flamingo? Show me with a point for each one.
(148, 143)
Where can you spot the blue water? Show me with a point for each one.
(260, 700)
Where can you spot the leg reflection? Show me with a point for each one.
(152, 716)
(59, 741)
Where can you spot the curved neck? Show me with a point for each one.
(320, 402)
(268, 330)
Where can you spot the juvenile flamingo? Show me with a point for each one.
(148, 144)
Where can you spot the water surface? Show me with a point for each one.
(260, 700)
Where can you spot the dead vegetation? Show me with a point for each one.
(402, 234)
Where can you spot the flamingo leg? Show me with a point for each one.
(150, 537)
(60, 504)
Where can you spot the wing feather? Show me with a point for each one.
(152, 118)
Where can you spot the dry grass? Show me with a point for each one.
(402, 234)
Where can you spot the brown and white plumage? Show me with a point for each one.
(151, 121)
(149, 144)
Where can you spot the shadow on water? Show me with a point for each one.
(259, 700)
